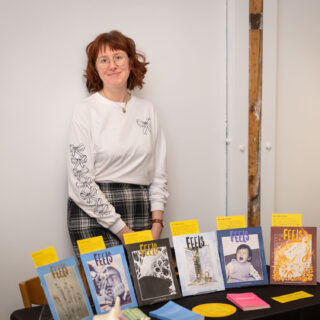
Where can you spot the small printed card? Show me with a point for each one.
(181, 228)
(138, 236)
(231, 222)
(43, 257)
(91, 244)
(286, 220)
(134, 313)
(293, 296)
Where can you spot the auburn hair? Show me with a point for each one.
(116, 41)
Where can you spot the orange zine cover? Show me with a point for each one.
(293, 255)
(247, 301)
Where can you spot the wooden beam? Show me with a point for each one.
(255, 97)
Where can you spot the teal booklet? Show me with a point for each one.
(173, 311)
(64, 290)
(108, 277)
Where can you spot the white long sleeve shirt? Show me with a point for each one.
(107, 145)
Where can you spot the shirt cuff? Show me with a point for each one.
(157, 206)
(116, 227)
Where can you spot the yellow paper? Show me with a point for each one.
(180, 228)
(139, 236)
(292, 296)
(286, 220)
(231, 222)
(43, 257)
(91, 244)
(215, 310)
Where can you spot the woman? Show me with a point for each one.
(116, 166)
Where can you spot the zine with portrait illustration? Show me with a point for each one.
(242, 257)
(293, 255)
(198, 263)
(64, 290)
(152, 271)
(108, 277)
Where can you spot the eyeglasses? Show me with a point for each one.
(119, 59)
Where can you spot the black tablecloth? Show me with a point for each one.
(308, 308)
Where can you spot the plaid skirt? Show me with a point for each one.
(129, 200)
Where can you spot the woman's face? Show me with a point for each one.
(113, 68)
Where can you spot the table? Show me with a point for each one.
(308, 308)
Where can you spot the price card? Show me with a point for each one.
(231, 222)
(139, 236)
(286, 220)
(180, 228)
(43, 257)
(292, 296)
(91, 244)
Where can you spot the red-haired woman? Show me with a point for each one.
(116, 166)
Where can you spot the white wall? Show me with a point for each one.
(291, 98)
(298, 132)
(237, 106)
(42, 61)
(268, 116)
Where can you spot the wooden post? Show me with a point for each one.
(255, 97)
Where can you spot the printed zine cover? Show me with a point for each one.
(64, 290)
(108, 277)
(242, 257)
(198, 263)
(152, 271)
(293, 253)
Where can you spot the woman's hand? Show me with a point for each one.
(124, 230)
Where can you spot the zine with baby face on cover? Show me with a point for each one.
(242, 257)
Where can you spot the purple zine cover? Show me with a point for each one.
(242, 257)
(108, 277)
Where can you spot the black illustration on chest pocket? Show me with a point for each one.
(145, 125)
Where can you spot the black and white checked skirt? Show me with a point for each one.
(129, 200)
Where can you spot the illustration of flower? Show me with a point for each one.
(87, 191)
